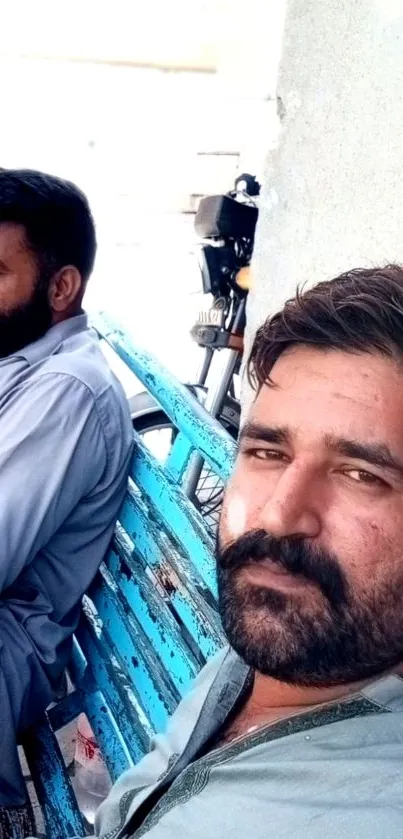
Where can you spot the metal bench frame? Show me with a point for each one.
(149, 622)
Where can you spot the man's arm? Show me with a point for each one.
(52, 454)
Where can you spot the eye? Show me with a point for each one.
(361, 476)
(263, 454)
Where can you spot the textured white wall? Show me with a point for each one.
(333, 190)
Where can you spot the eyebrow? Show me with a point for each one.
(376, 454)
(264, 433)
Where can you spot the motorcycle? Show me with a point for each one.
(226, 226)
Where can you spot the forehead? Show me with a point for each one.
(317, 392)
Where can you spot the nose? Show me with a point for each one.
(293, 509)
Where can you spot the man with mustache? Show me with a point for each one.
(296, 730)
(65, 444)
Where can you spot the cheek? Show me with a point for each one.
(384, 554)
(234, 520)
(14, 294)
(245, 496)
(240, 511)
(235, 515)
(370, 554)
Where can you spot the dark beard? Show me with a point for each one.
(337, 637)
(26, 324)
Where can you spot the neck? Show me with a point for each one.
(59, 317)
(268, 693)
(271, 701)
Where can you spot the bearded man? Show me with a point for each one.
(65, 444)
(296, 730)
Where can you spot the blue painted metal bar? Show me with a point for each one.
(153, 615)
(52, 784)
(186, 591)
(205, 433)
(78, 667)
(93, 704)
(135, 731)
(107, 735)
(179, 457)
(153, 685)
(90, 645)
(176, 512)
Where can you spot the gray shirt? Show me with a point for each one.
(65, 444)
(335, 773)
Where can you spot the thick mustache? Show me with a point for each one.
(294, 555)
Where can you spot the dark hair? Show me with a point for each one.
(359, 311)
(58, 223)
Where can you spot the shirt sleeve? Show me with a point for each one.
(52, 454)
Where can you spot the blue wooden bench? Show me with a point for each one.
(149, 622)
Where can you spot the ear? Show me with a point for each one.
(65, 289)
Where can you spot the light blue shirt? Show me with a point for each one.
(333, 773)
(65, 445)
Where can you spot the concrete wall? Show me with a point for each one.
(333, 190)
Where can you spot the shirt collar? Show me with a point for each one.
(52, 339)
(387, 692)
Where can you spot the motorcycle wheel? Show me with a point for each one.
(159, 432)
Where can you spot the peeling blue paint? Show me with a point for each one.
(149, 621)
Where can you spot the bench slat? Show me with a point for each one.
(125, 638)
(134, 726)
(190, 599)
(206, 434)
(176, 513)
(157, 622)
(179, 457)
(105, 671)
(53, 787)
(107, 734)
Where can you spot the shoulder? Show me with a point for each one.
(81, 360)
(78, 379)
(79, 365)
